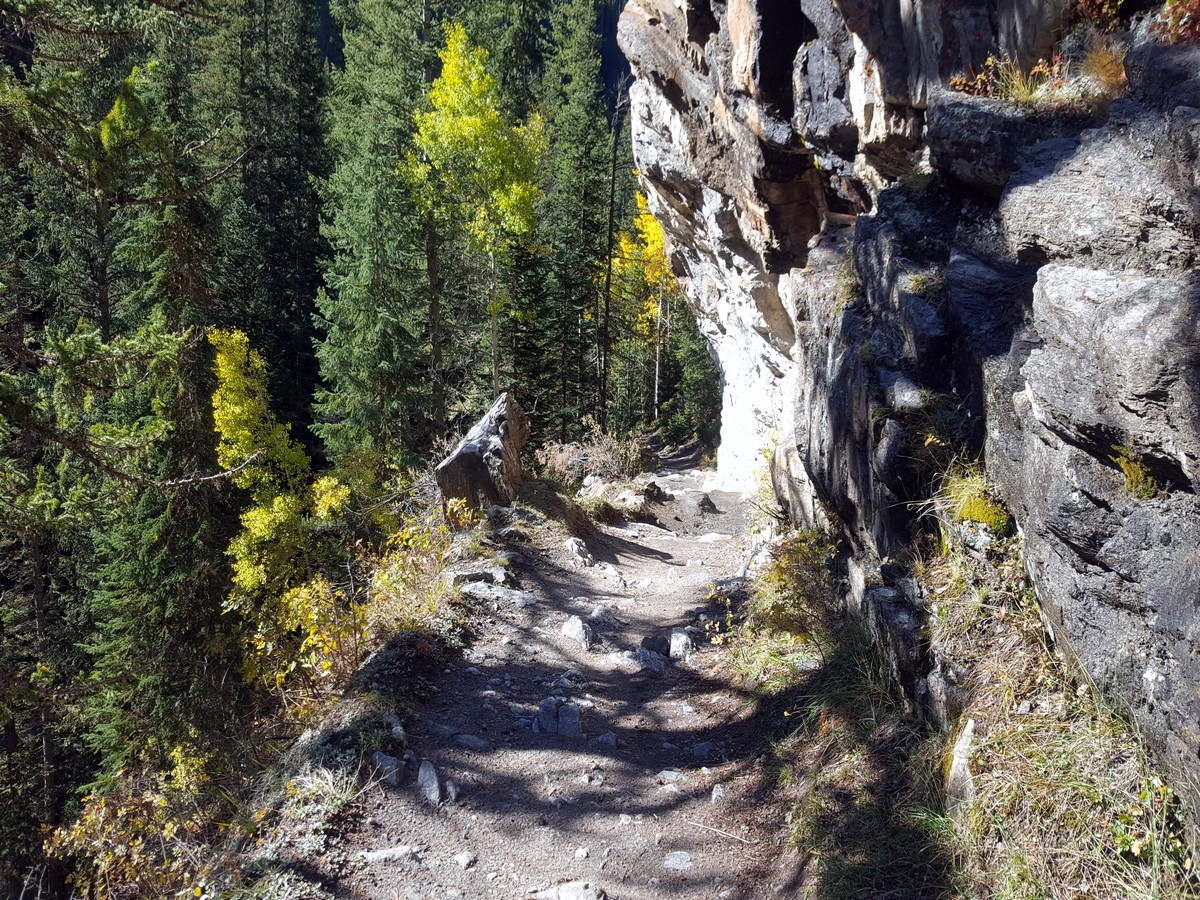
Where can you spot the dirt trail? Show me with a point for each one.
(628, 809)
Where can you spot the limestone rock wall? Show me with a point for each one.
(876, 260)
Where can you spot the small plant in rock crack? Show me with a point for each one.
(1005, 79)
(1138, 480)
(849, 289)
(927, 283)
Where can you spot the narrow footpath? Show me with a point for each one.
(585, 744)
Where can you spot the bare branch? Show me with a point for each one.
(192, 480)
(188, 193)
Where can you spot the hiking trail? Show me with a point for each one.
(574, 757)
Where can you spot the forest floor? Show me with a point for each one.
(654, 793)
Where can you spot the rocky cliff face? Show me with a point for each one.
(885, 267)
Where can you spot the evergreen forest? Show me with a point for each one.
(261, 263)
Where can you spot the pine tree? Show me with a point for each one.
(105, 431)
(519, 41)
(373, 353)
(261, 91)
(562, 330)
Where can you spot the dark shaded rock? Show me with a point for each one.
(657, 643)
(981, 142)
(654, 493)
(485, 468)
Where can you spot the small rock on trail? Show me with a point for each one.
(429, 786)
(578, 630)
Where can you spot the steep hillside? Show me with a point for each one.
(910, 287)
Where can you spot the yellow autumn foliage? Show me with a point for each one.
(250, 440)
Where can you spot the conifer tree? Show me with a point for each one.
(373, 351)
(575, 216)
(261, 91)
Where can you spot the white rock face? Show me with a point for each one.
(738, 304)
(745, 170)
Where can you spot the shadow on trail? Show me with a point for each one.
(870, 843)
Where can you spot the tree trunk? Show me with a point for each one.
(493, 314)
(608, 272)
(658, 320)
(438, 386)
(40, 599)
(433, 273)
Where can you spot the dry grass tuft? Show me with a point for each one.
(1104, 64)
(600, 454)
(1004, 79)
(1065, 797)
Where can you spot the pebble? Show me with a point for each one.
(608, 740)
(493, 593)
(603, 616)
(429, 786)
(678, 860)
(472, 670)
(572, 890)
(651, 661)
(670, 776)
(465, 860)
(657, 643)
(452, 790)
(704, 750)
(718, 793)
(578, 552)
(569, 724)
(401, 855)
(547, 717)
(681, 644)
(393, 722)
(582, 853)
